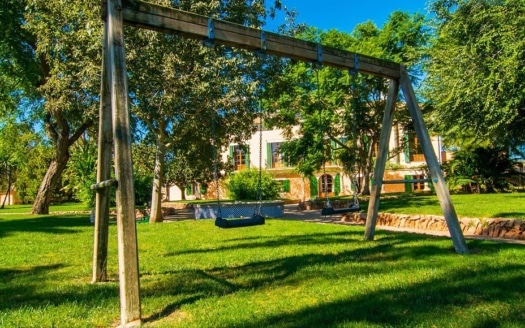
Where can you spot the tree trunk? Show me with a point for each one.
(8, 186)
(183, 192)
(156, 193)
(366, 181)
(53, 174)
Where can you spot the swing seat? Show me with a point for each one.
(331, 211)
(256, 219)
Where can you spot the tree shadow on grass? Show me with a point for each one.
(52, 224)
(432, 301)
(394, 248)
(386, 205)
(9, 274)
(30, 287)
(349, 236)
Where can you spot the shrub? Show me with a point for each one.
(480, 169)
(244, 185)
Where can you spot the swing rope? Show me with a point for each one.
(219, 221)
(257, 210)
(216, 166)
(355, 94)
(354, 206)
(322, 127)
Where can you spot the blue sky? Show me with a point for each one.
(344, 15)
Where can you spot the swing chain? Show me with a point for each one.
(216, 166)
(324, 184)
(259, 182)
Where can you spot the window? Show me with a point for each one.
(240, 157)
(327, 183)
(413, 151)
(284, 185)
(419, 186)
(274, 156)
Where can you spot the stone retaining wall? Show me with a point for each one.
(499, 228)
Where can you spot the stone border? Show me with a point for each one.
(494, 228)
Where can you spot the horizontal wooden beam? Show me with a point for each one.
(174, 21)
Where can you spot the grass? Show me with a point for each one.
(510, 205)
(282, 274)
(63, 207)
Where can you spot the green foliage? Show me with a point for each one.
(244, 185)
(476, 71)
(339, 114)
(24, 158)
(179, 87)
(480, 169)
(142, 185)
(19, 69)
(50, 71)
(143, 162)
(81, 172)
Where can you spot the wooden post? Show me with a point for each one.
(433, 165)
(379, 170)
(105, 145)
(127, 235)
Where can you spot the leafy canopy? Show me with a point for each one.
(476, 71)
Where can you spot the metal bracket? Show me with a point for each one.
(210, 40)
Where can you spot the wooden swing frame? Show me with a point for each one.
(115, 136)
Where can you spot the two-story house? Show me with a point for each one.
(407, 164)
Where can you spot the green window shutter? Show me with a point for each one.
(286, 185)
(204, 189)
(188, 189)
(408, 186)
(406, 139)
(332, 151)
(337, 184)
(269, 155)
(232, 159)
(313, 186)
(247, 157)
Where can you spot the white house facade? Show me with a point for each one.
(262, 150)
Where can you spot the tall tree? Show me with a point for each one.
(179, 86)
(476, 71)
(61, 42)
(340, 113)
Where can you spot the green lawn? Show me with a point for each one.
(510, 205)
(64, 207)
(282, 274)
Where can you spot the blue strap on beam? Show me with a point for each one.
(262, 51)
(319, 62)
(263, 41)
(353, 71)
(210, 40)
